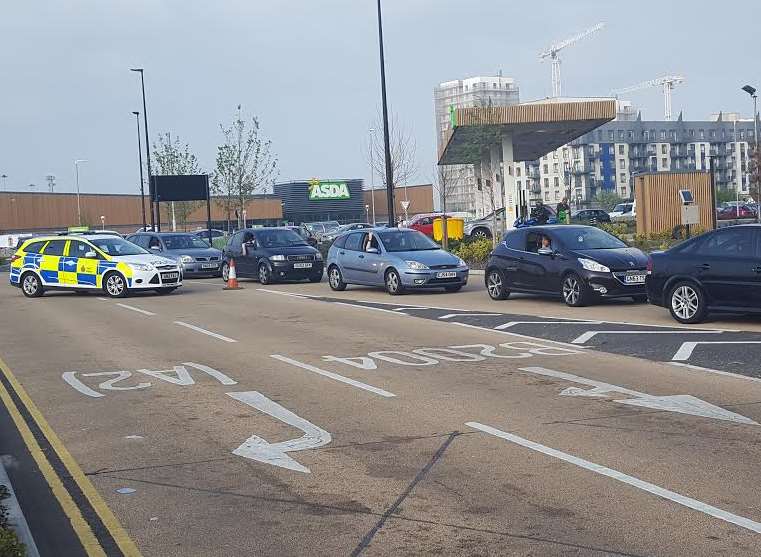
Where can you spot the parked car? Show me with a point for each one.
(317, 229)
(718, 271)
(621, 209)
(481, 228)
(192, 254)
(396, 258)
(589, 216)
(735, 212)
(272, 254)
(424, 222)
(625, 216)
(331, 236)
(580, 264)
(305, 234)
(204, 233)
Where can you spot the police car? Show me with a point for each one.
(90, 262)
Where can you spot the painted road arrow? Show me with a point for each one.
(683, 404)
(256, 448)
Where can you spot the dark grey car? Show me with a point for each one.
(193, 255)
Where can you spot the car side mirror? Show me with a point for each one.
(545, 251)
(91, 255)
(372, 250)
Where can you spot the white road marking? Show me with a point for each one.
(453, 315)
(370, 308)
(204, 331)
(715, 371)
(71, 378)
(133, 308)
(490, 330)
(685, 351)
(513, 323)
(333, 376)
(624, 478)
(256, 448)
(591, 334)
(302, 296)
(682, 404)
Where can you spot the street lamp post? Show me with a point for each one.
(386, 139)
(76, 175)
(372, 172)
(367, 212)
(752, 92)
(154, 220)
(4, 178)
(140, 161)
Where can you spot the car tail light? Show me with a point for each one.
(649, 265)
(15, 257)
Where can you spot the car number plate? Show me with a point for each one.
(170, 275)
(208, 266)
(447, 274)
(302, 265)
(634, 279)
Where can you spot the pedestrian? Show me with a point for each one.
(563, 211)
(540, 213)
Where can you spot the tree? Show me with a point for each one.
(175, 158)
(245, 165)
(403, 153)
(608, 199)
(447, 178)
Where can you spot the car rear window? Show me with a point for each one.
(34, 247)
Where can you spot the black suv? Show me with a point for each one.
(271, 254)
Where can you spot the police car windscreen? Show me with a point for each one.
(184, 241)
(117, 246)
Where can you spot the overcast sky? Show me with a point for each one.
(309, 70)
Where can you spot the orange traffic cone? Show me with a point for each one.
(232, 278)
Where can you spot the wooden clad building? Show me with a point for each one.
(659, 207)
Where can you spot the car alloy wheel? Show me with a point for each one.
(225, 271)
(495, 286)
(31, 286)
(393, 283)
(687, 304)
(574, 291)
(481, 234)
(335, 280)
(116, 287)
(264, 274)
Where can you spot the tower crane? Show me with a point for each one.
(552, 54)
(667, 82)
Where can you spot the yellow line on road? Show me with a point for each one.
(83, 530)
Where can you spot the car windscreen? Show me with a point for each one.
(116, 246)
(587, 238)
(279, 239)
(331, 226)
(184, 241)
(406, 240)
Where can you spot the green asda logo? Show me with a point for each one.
(319, 190)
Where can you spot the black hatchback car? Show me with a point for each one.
(271, 254)
(581, 264)
(719, 271)
(589, 216)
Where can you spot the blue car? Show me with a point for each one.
(396, 258)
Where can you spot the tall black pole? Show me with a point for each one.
(140, 159)
(157, 219)
(386, 140)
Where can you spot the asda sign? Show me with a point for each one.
(319, 190)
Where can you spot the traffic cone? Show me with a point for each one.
(232, 278)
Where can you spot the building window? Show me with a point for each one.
(702, 134)
(555, 167)
(610, 135)
(663, 134)
(546, 182)
(672, 133)
(518, 183)
(622, 163)
(692, 133)
(546, 169)
(555, 155)
(620, 149)
(702, 148)
(713, 133)
(622, 178)
(645, 135)
(623, 192)
(517, 170)
(557, 196)
(546, 196)
(621, 134)
(664, 162)
(630, 135)
(565, 153)
(663, 148)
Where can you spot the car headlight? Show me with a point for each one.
(318, 257)
(277, 258)
(186, 259)
(591, 265)
(141, 266)
(416, 265)
(461, 262)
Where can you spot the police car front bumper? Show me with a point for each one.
(161, 277)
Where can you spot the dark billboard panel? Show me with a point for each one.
(179, 188)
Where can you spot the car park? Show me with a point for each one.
(716, 272)
(589, 216)
(580, 264)
(331, 236)
(204, 233)
(302, 231)
(318, 229)
(86, 263)
(395, 258)
(192, 254)
(270, 255)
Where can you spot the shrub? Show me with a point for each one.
(474, 253)
(10, 546)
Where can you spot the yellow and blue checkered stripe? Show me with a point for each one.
(63, 270)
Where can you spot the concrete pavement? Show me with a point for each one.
(419, 436)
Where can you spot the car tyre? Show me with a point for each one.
(481, 234)
(687, 303)
(31, 285)
(453, 288)
(335, 279)
(225, 271)
(115, 285)
(393, 283)
(265, 275)
(641, 299)
(574, 291)
(496, 285)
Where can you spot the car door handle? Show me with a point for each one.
(342, 252)
(703, 267)
(361, 256)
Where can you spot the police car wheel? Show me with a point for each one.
(115, 285)
(31, 285)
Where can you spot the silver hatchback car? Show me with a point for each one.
(395, 258)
